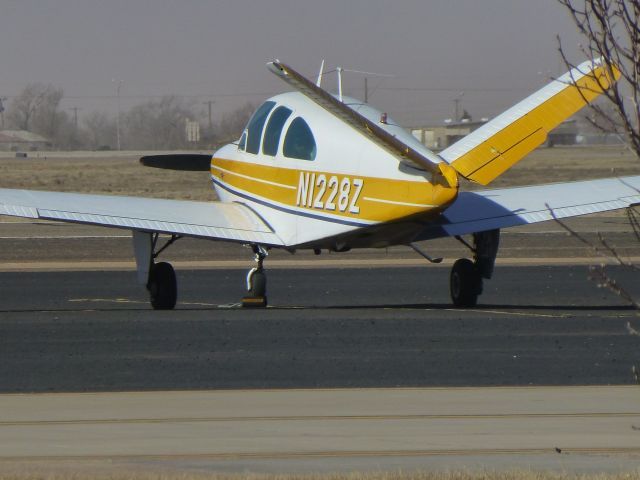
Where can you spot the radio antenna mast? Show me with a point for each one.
(319, 81)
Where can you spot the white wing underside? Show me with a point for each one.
(214, 220)
(509, 207)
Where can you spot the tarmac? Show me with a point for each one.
(581, 429)
(359, 363)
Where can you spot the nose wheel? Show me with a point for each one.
(256, 296)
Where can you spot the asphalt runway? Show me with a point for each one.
(326, 327)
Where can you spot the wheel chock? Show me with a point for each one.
(254, 302)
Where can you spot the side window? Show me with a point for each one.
(254, 128)
(274, 130)
(299, 142)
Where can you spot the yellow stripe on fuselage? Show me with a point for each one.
(369, 199)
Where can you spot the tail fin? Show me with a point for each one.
(489, 151)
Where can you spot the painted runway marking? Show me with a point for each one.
(128, 300)
(510, 312)
(104, 300)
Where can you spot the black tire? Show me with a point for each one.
(162, 286)
(465, 283)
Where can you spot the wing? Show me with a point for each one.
(491, 209)
(215, 220)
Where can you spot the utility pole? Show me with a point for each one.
(2, 100)
(118, 114)
(209, 103)
(75, 115)
(456, 111)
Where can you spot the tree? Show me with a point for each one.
(157, 125)
(36, 109)
(611, 31)
(231, 125)
(100, 130)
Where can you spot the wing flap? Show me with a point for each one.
(215, 220)
(489, 151)
(487, 210)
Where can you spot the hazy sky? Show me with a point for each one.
(495, 51)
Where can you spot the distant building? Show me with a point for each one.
(564, 134)
(192, 130)
(21, 140)
(442, 136)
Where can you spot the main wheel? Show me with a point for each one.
(465, 283)
(162, 286)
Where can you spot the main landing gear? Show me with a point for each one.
(159, 278)
(162, 286)
(466, 279)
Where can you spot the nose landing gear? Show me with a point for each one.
(256, 296)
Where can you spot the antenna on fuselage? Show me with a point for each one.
(319, 81)
(339, 70)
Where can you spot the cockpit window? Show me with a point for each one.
(254, 128)
(299, 142)
(274, 130)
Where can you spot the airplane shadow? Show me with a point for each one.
(506, 308)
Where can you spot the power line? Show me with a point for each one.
(148, 96)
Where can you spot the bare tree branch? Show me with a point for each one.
(611, 30)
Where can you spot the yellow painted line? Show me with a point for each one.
(509, 313)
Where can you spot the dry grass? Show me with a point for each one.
(108, 175)
(123, 175)
(563, 164)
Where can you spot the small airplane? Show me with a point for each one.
(313, 170)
